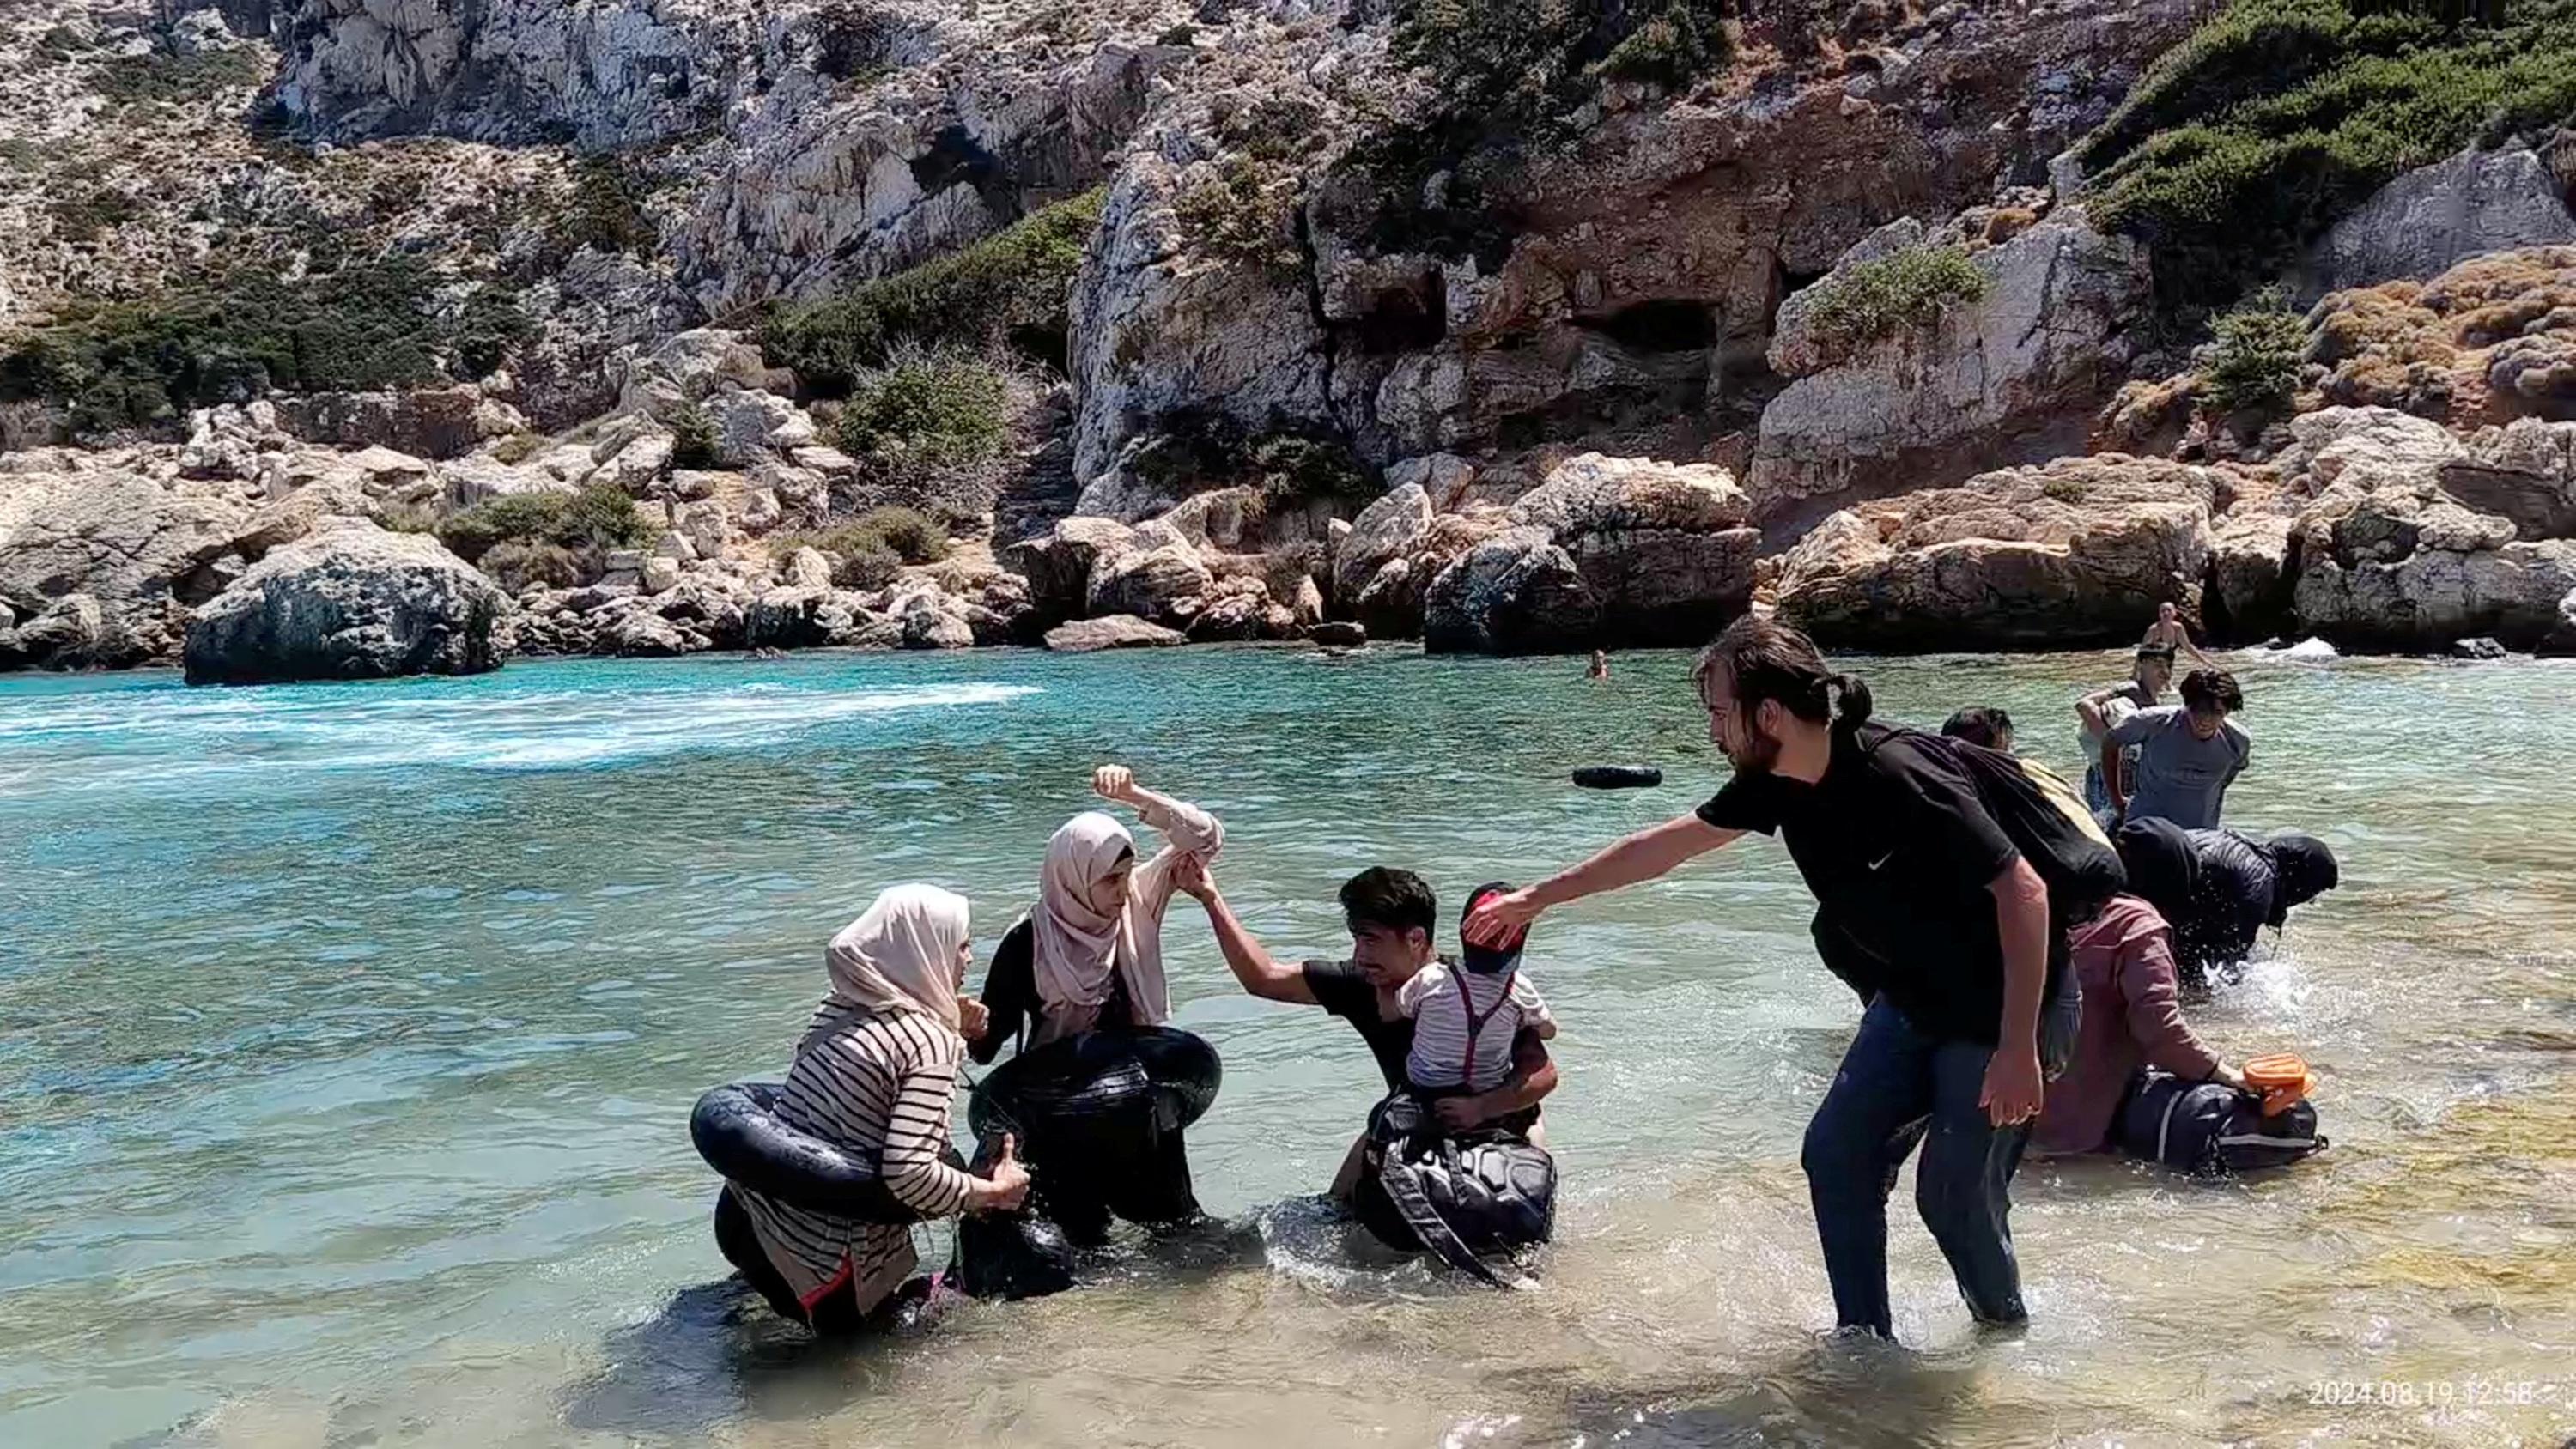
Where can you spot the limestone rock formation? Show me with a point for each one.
(2013, 376)
(132, 546)
(2432, 218)
(1635, 271)
(2389, 559)
(2074, 552)
(354, 602)
(1514, 593)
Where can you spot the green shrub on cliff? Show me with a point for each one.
(596, 516)
(941, 409)
(2259, 349)
(1009, 289)
(2248, 140)
(1520, 61)
(145, 363)
(906, 534)
(1245, 214)
(1869, 301)
(607, 210)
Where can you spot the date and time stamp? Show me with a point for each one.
(2442, 1397)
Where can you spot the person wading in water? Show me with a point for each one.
(1946, 876)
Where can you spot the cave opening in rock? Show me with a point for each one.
(1663, 325)
(1405, 319)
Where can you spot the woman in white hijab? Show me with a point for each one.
(873, 1076)
(1089, 955)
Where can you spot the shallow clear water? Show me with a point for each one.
(348, 1035)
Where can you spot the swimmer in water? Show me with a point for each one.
(2167, 633)
(1600, 669)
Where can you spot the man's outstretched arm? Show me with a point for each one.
(1651, 852)
(1252, 966)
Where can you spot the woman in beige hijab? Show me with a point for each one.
(1089, 955)
(873, 1076)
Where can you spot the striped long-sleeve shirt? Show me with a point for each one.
(879, 1085)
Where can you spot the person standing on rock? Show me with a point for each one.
(2104, 708)
(2188, 754)
(1946, 878)
(2168, 634)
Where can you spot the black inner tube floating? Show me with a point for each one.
(738, 1131)
(1618, 777)
(1100, 1078)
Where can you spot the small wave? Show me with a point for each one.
(241, 732)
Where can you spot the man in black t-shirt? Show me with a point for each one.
(1391, 915)
(1945, 876)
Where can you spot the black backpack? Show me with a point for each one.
(2210, 1129)
(2046, 819)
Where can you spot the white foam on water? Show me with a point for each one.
(558, 729)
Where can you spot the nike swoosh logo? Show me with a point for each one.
(1882, 860)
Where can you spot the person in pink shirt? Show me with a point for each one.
(2123, 960)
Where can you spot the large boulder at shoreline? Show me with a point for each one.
(1118, 631)
(2068, 554)
(134, 546)
(1515, 593)
(1384, 530)
(354, 602)
(1662, 548)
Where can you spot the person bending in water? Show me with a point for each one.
(2188, 754)
(1089, 957)
(1947, 877)
(2105, 708)
(1391, 915)
(2220, 888)
(2168, 634)
(1991, 728)
(874, 1076)
(2123, 959)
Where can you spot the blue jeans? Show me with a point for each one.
(1898, 1087)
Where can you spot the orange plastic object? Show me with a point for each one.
(2283, 1079)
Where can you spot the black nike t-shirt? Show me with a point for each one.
(1900, 840)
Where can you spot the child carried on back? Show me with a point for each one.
(1465, 1017)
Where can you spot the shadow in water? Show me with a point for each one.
(1834, 1393)
(716, 1353)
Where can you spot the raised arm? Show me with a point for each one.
(1187, 832)
(1654, 851)
(1257, 971)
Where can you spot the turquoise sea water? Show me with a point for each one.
(348, 1035)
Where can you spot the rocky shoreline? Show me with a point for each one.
(1835, 323)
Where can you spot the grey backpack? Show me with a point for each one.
(2210, 1129)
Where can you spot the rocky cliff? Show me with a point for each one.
(899, 324)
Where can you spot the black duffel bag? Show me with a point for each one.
(1462, 1196)
(2210, 1129)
